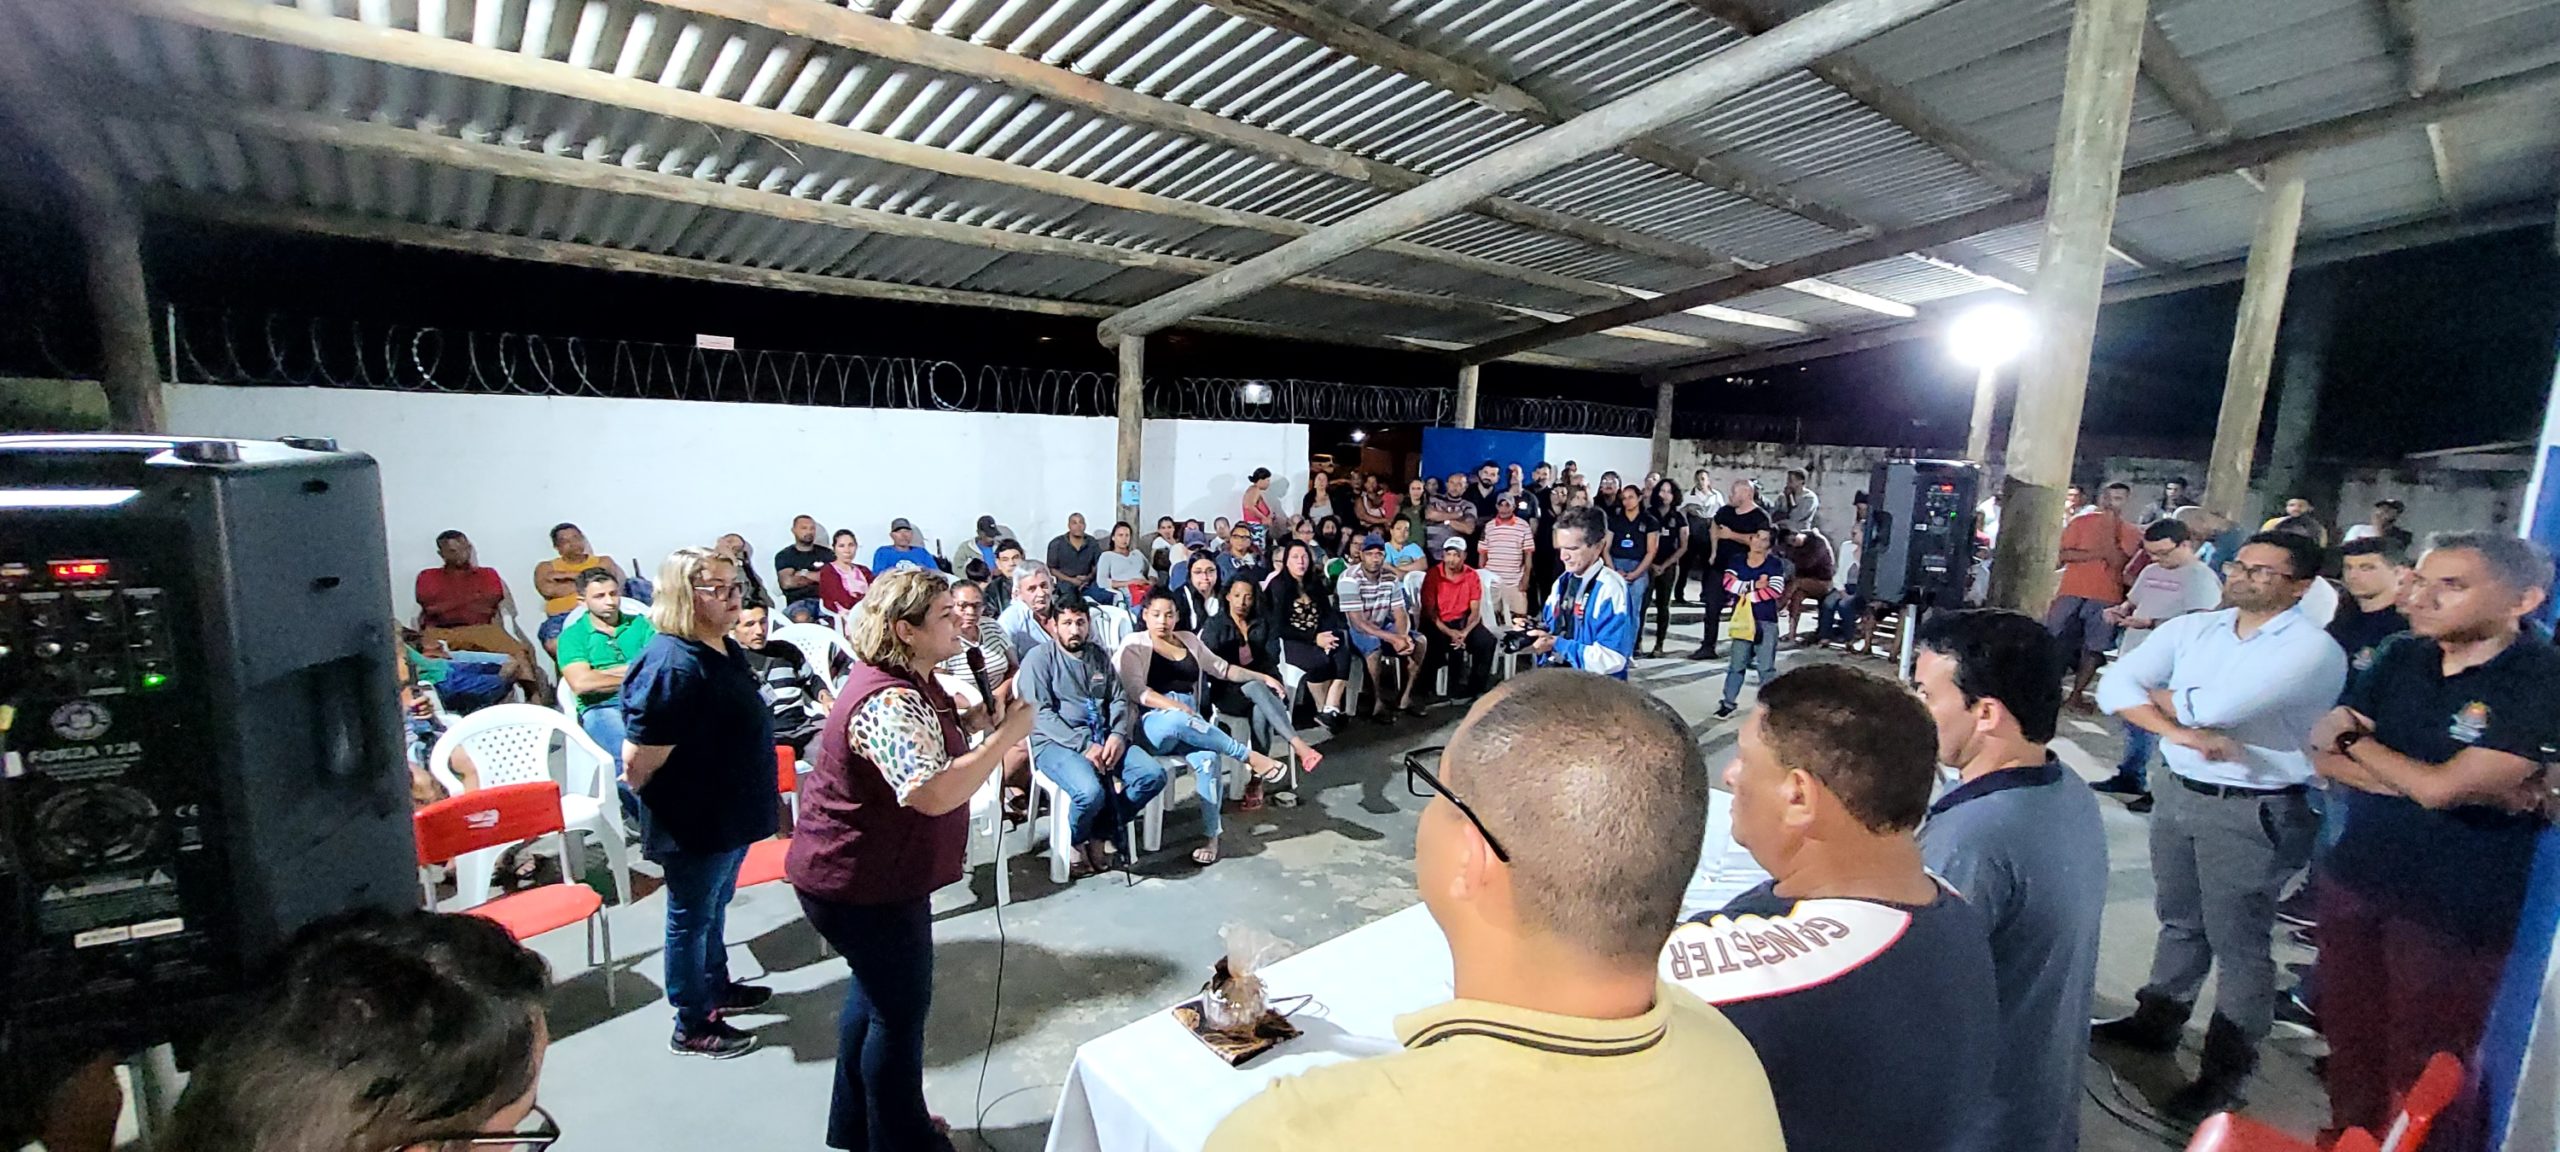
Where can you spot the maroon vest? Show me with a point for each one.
(854, 843)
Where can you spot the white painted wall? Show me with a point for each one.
(644, 477)
(1628, 456)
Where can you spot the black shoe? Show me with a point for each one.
(2201, 1098)
(715, 1040)
(1417, 709)
(2120, 785)
(1724, 710)
(2154, 1026)
(2229, 1060)
(737, 998)
(1704, 652)
(1331, 720)
(2138, 805)
(2292, 1012)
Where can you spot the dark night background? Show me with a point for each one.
(2434, 348)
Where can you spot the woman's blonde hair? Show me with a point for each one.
(904, 596)
(672, 613)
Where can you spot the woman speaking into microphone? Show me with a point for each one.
(884, 822)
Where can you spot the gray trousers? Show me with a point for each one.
(2217, 864)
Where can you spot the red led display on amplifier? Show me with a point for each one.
(80, 571)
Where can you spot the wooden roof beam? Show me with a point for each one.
(2181, 86)
(2421, 70)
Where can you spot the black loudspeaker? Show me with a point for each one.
(1919, 546)
(200, 730)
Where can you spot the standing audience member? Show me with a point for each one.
(377, 1030)
(796, 570)
(1481, 494)
(1073, 555)
(1699, 506)
(1120, 571)
(1634, 543)
(460, 603)
(1671, 546)
(1081, 738)
(1730, 535)
(2173, 496)
(2216, 537)
(1450, 514)
(2298, 508)
(2385, 525)
(1256, 511)
(2319, 598)
(1453, 607)
(2173, 584)
(700, 757)
(1312, 631)
(1375, 507)
(884, 821)
(1319, 501)
(1830, 779)
(2096, 546)
(1543, 564)
(2376, 575)
(2442, 743)
(1024, 620)
(1168, 673)
(1508, 553)
(1382, 626)
(735, 549)
(556, 580)
(1415, 511)
(1756, 585)
(901, 549)
(794, 690)
(843, 583)
(1606, 495)
(1561, 1034)
(596, 651)
(1589, 621)
(2019, 835)
(1796, 507)
(2233, 694)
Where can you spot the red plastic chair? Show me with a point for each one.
(2438, 1084)
(2233, 1132)
(503, 815)
(764, 857)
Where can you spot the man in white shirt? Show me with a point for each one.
(1699, 506)
(2172, 585)
(2234, 695)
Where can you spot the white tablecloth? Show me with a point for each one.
(1153, 1087)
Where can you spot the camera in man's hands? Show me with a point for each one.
(1518, 640)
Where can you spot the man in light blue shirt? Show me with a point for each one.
(2233, 695)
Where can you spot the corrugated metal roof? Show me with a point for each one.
(1987, 70)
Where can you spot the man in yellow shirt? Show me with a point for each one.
(1565, 821)
(556, 581)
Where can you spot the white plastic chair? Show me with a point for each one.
(1111, 625)
(511, 744)
(820, 644)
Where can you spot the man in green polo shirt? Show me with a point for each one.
(1562, 1034)
(595, 648)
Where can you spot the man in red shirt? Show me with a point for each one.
(459, 603)
(1453, 604)
(2096, 546)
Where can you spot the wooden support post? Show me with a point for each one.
(128, 366)
(1661, 430)
(2253, 342)
(2053, 380)
(1465, 417)
(1977, 437)
(1133, 424)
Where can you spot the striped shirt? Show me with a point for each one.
(1379, 596)
(1506, 549)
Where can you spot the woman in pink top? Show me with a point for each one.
(1257, 492)
(843, 583)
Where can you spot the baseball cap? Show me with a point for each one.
(986, 523)
(1373, 541)
(1454, 544)
(902, 522)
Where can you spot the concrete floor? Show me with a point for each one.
(1086, 959)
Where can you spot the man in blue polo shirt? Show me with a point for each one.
(2020, 837)
(1863, 982)
(2443, 743)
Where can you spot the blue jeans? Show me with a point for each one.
(1837, 618)
(1088, 798)
(603, 724)
(2139, 746)
(699, 885)
(1171, 732)
(878, 1102)
(471, 685)
(1743, 654)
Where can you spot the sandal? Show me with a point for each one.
(1252, 799)
(1206, 854)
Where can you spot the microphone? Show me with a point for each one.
(978, 672)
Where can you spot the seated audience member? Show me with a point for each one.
(1404, 553)
(789, 681)
(901, 549)
(1375, 506)
(596, 650)
(1242, 634)
(797, 571)
(465, 682)
(1166, 553)
(556, 580)
(459, 603)
(1830, 780)
(2019, 835)
(1121, 570)
(971, 688)
(1449, 513)
(1811, 568)
(1453, 610)
(1034, 589)
(1000, 581)
(1311, 630)
(1240, 559)
(1382, 627)
(735, 549)
(1561, 1034)
(1168, 673)
(1588, 622)
(424, 727)
(843, 582)
(1842, 616)
(979, 548)
(1082, 733)
(1195, 587)
(377, 1030)
(1304, 532)
(2385, 525)
(1072, 557)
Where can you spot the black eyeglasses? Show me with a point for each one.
(540, 1132)
(1419, 781)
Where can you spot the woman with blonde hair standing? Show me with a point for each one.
(699, 755)
(884, 821)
